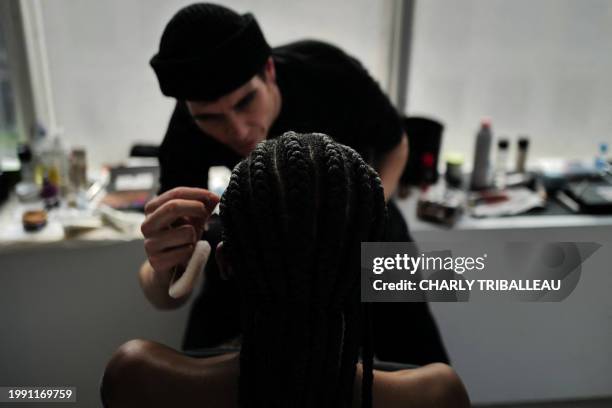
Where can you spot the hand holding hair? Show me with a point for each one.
(174, 223)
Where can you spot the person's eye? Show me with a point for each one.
(203, 118)
(246, 101)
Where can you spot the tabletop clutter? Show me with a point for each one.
(52, 184)
(53, 198)
(497, 188)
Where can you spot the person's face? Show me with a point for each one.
(242, 118)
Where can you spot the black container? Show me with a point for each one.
(424, 141)
(8, 180)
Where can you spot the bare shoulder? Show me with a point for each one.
(434, 385)
(145, 373)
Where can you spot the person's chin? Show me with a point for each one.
(246, 149)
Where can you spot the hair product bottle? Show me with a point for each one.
(521, 154)
(482, 151)
(501, 164)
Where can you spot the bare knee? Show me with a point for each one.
(123, 374)
(447, 389)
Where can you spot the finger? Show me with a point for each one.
(196, 223)
(164, 261)
(181, 221)
(208, 198)
(175, 237)
(169, 212)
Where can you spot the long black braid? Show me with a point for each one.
(294, 214)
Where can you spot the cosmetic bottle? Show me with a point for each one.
(601, 162)
(521, 154)
(482, 151)
(501, 163)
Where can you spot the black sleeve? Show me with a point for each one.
(183, 157)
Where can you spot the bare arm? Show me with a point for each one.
(392, 166)
(435, 385)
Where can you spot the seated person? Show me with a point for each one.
(293, 215)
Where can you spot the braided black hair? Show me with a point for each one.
(294, 214)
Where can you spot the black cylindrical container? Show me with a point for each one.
(424, 139)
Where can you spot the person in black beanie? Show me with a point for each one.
(233, 91)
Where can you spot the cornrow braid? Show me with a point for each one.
(294, 214)
(333, 219)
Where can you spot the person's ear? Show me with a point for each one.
(270, 70)
(225, 269)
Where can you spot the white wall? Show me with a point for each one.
(106, 95)
(540, 67)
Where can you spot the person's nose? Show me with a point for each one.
(237, 126)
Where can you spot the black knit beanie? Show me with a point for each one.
(207, 51)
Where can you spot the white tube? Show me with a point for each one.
(187, 281)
